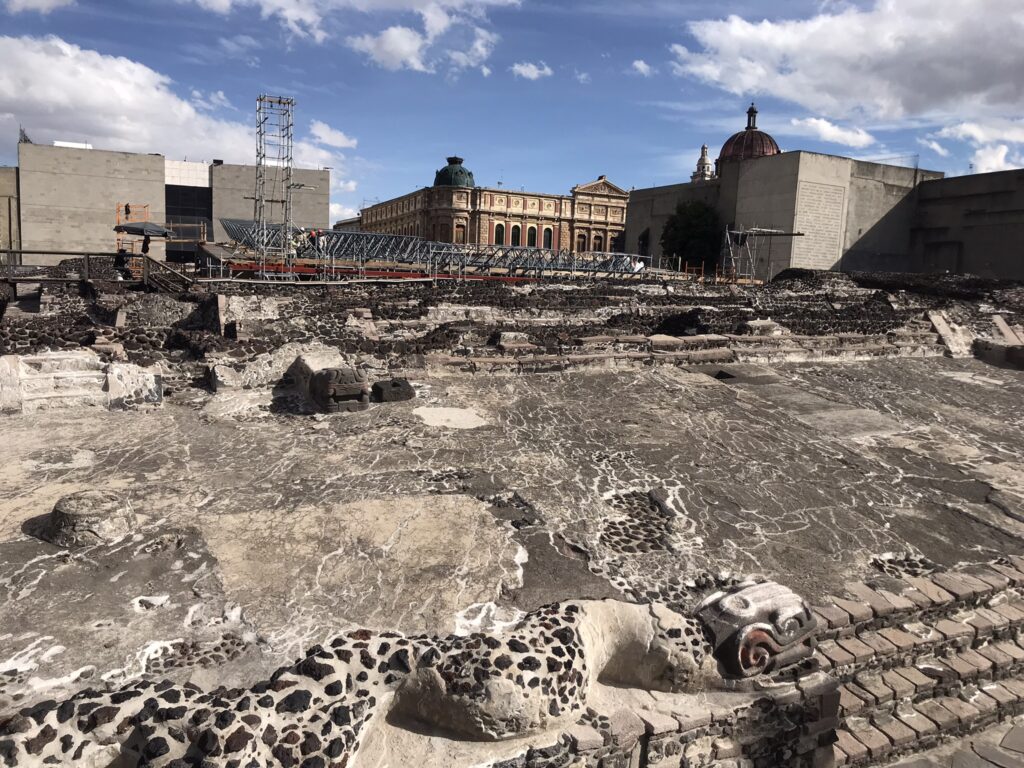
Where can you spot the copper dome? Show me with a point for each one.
(749, 143)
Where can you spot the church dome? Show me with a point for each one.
(749, 143)
(454, 175)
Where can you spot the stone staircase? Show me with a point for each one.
(62, 380)
(78, 379)
(924, 659)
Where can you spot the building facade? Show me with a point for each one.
(829, 212)
(68, 198)
(454, 210)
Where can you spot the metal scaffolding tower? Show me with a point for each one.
(273, 207)
(747, 253)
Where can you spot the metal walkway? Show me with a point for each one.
(335, 249)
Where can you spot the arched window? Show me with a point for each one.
(598, 243)
(547, 237)
(531, 237)
(516, 235)
(499, 234)
(581, 242)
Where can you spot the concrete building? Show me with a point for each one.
(68, 198)
(969, 224)
(234, 192)
(9, 221)
(849, 212)
(454, 210)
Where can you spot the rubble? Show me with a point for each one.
(562, 524)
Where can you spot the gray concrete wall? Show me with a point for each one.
(822, 200)
(649, 209)
(9, 219)
(234, 188)
(69, 197)
(880, 216)
(766, 197)
(970, 224)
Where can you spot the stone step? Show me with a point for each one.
(64, 401)
(59, 362)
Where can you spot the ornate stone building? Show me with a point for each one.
(455, 210)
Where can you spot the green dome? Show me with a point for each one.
(454, 175)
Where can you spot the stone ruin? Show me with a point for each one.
(520, 525)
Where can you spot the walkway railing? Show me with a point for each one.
(156, 274)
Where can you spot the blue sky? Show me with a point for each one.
(541, 95)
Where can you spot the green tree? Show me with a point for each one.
(693, 232)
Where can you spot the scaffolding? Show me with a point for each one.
(343, 252)
(272, 210)
(745, 250)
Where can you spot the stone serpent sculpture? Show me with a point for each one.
(484, 686)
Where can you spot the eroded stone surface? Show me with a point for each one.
(89, 517)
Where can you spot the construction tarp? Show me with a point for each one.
(143, 228)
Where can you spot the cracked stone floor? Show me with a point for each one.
(531, 489)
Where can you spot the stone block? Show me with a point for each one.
(904, 642)
(657, 723)
(393, 391)
(878, 604)
(872, 683)
(693, 718)
(922, 683)
(859, 611)
(918, 723)
(626, 728)
(860, 651)
(960, 585)
(10, 385)
(882, 647)
(954, 630)
(224, 377)
(834, 654)
(930, 589)
(88, 518)
(1000, 660)
(961, 710)
(852, 747)
(877, 743)
(897, 732)
(944, 720)
(830, 616)
(901, 687)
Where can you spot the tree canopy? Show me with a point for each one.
(693, 232)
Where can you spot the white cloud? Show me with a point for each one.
(212, 101)
(995, 158)
(530, 71)
(934, 146)
(58, 90)
(894, 59)
(986, 132)
(340, 211)
(642, 68)
(398, 46)
(479, 51)
(395, 48)
(485, 70)
(826, 131)
(322, 133)
(41, 6)
(583, 77)
(345, 185)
